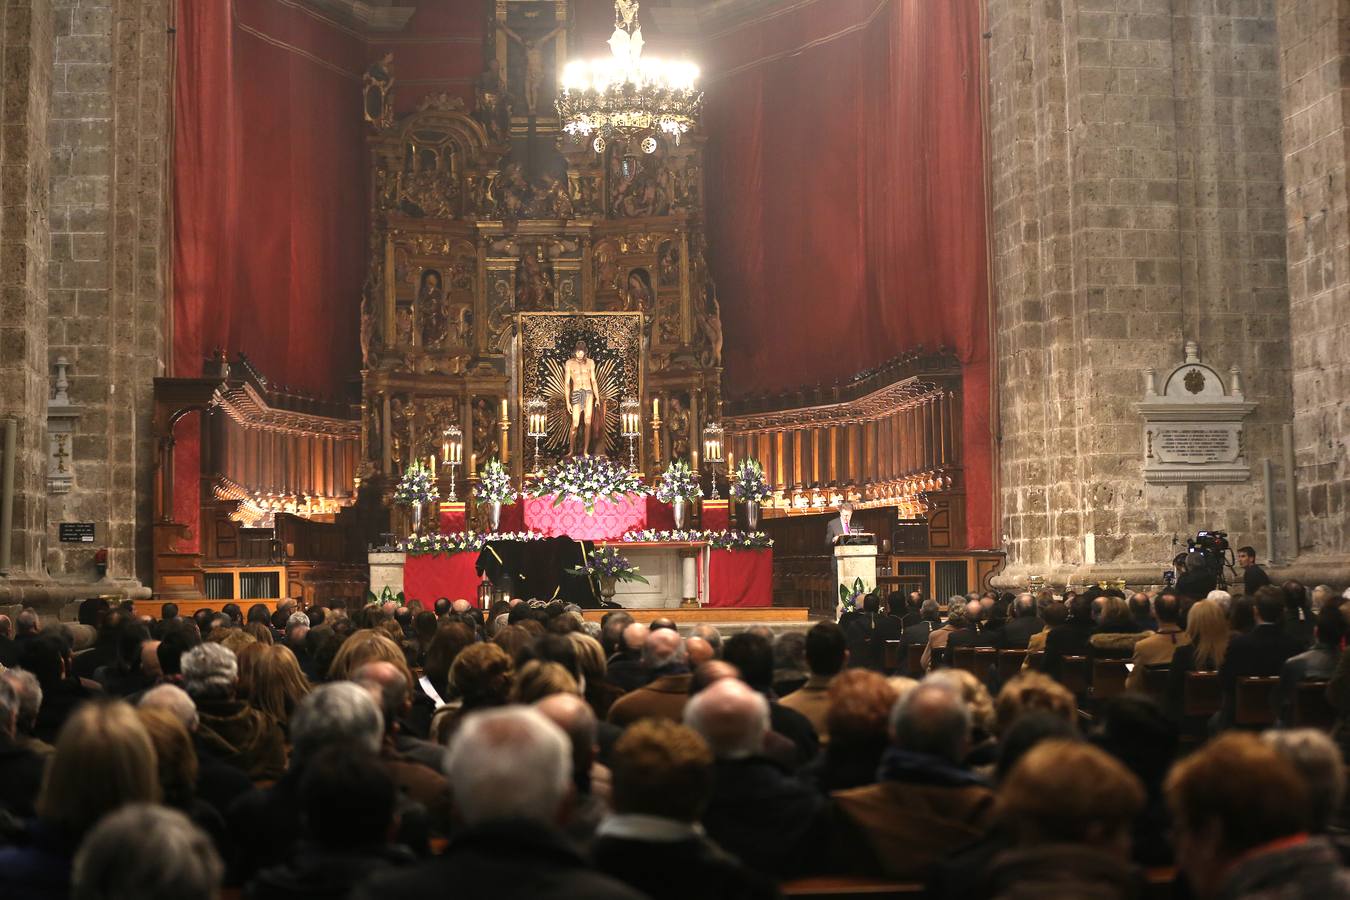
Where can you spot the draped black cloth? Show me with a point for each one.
(537, 570)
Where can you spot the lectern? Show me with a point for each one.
(855, 560)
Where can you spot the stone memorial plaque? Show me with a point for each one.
(1193, 427)
(1195, 445)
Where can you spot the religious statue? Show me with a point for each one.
(377, 92)
(677, 422)
(400, 431)
(403, 325)
(484, 430)
(582, 392)
(637, 297)
(533, 48)
(556, 202)
(369, 325)
(431, 309)
(534, 287)
(710, 326)
(625, 14)
(510, 190)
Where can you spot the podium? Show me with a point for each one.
(855, 559)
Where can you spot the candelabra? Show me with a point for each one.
(630, 422)
(536, 424)
(452, 454)
(712, 453)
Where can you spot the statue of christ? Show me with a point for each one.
(582, 392)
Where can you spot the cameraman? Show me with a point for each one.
(1253, 576)
(1195, 577)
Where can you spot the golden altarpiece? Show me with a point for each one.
(497, 242)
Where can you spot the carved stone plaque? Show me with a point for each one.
(1193, 428)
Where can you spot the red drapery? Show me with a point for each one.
(846, 199)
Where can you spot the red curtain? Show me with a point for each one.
(845, 178)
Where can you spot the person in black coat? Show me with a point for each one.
(510, 846)
(1073, 637)
(1260, 652)
(1024, 623)
(663, 779)
(20, 767)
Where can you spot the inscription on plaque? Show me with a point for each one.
(1196, 445)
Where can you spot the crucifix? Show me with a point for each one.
(533, 48)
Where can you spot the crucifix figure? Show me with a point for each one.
(533, 48)
(581, 390)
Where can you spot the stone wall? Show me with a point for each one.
(1315, 72)
(25, 43)
(1136, 175)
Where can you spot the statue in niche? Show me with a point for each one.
(490, 107)
(431, 309)
(677, 424)
(370, 319)
(510, 191)
(710, 327)
(637, 295)
(403, 325)
(534, 284)
(668, 264)
(400, 422)
(533, 48)
(606, 267)
(554, 202)
(687, 195)
(582, 392)
(374, 436)
(377, 85)
(484, 430)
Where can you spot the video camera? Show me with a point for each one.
(1210, 552)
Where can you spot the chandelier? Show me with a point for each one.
(626, 98)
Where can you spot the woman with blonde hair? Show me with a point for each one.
(537, 679)
(1209, 631)
(481, 677)
(176, 762)
(277, 685)
(599, 693)
(103, 760)
(367, 645)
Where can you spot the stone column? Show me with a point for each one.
(1135, 180)
(1315, 80)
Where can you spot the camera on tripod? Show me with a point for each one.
(1208, 551)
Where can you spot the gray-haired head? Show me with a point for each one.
(9, 708)
(210, 672)
(148, 853)
(731, 716)
(1318, 759)
(175, 701)
(28, 622)
(515, 746)
(662, 648)
(710, 634)
(932, 719)
(297, 618)
(29, 691)
(341, 713)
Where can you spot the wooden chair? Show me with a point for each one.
(1108, 678)
(890, 656)
(841, 887)
(1200, 695)
(986, 665)
(1312, 709)
(1036, 660)
(1255, 707)
(963, 658)
(914, 660)
(1074, 674)
(1155, 682)
(1009, 664)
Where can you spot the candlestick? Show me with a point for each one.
(473, 463)
(506, 410)
(445, 450)
(656, 407)
(432, 457)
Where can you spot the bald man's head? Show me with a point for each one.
(634, 636)
(662, 648)
(698, 651)
(150, 660)
(387, 686)
(459, 607)
(713, 670)
(575, 717)
(731, 716)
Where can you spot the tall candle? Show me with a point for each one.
(656, 407)
(433, 465)
(505, 409)
(473, 463)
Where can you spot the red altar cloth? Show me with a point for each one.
(454, 517)
(740, 578)
(716, 515)
(428, 578)
(513, 519)
(609, 521)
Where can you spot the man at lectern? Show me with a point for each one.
(837, 528)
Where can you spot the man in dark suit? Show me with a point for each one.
(510, 845)
(1024, 623)
(1253, 576)
(1071, 638)
(837, 528)
(1260, 652)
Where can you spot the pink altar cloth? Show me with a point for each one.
(609, 521)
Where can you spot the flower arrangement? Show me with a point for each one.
(717, 540)
(608, 563)
(850, 598)
(588, 479)
(459, 542)
(748, 484)
(678, 483)
(494, 484)
(385, 596)
(417, 486)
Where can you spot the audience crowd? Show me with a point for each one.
(523, 751)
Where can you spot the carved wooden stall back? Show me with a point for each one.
(482, 216)
(889, 441)
(278, 483)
